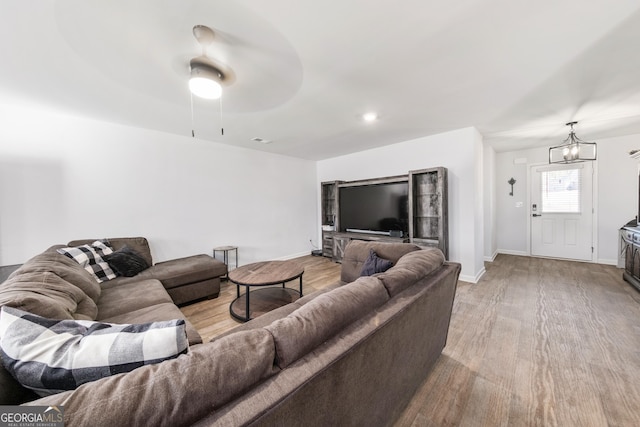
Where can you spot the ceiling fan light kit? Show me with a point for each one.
(205, 81)
(573, 149)
(370, 117)
(205, 77)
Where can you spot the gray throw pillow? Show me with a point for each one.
(374, 264)
(126, 262)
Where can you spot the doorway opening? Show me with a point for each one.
(562, 211)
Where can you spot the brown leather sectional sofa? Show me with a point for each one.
(351, 354)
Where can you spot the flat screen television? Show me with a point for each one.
(375, 208)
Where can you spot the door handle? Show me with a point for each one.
(536, 215)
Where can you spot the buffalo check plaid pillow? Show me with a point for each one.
(90, 258)
(51, 356)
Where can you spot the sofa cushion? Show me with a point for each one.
(50, 356)
(138, 244)
(280, 312)
(126, 262)
(156, 313)
(47, 295)
(411, 268)
(90, 258)
(64, 267)
(128, 297)
(177, 392)
(183, 271)
(194, 291)
(324, 316)
(357, 252)
(374, 264)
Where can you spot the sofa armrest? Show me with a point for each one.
(175, 392)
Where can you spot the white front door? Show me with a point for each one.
(562, 211)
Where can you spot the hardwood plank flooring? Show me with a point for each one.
(536, 342)
(211, 317)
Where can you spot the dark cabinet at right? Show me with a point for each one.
(428, 208)
(630, 239)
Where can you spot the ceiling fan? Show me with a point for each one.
(207, 76)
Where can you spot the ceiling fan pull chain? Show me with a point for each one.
(221, 127)
(193, 133)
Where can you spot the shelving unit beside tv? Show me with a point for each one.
(330, 218)
(428, 208)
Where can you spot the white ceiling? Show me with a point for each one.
(306, 70)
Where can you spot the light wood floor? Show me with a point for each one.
(211, 317)
(535, 343)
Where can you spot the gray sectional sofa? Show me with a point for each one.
(54, 286)
(351, 354)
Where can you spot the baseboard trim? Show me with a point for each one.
(492, 257)
(292, 256)
(509, 252)
(473, 279)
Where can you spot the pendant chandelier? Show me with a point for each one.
(573, 149)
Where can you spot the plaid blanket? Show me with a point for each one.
(51, 356)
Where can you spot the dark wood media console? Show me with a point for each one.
(338, 242)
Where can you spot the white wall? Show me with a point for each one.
(460, 152)
(616, 202)
(617, 192)
(511, 211)
(489, 179)
(64, 178)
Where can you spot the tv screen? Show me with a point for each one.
(378, 207)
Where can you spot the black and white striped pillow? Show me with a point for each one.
(90, 258)
(51, 356)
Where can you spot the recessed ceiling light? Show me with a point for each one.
(370, 117)
(264, 141)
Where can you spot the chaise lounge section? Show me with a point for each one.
(186, 279)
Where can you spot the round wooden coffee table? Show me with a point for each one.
(263, 300)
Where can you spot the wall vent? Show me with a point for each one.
(264, 141)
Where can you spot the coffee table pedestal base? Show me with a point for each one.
(262, 301)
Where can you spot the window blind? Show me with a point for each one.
(561, 190)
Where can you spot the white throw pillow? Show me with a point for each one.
(51, 356)
(90, 258)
